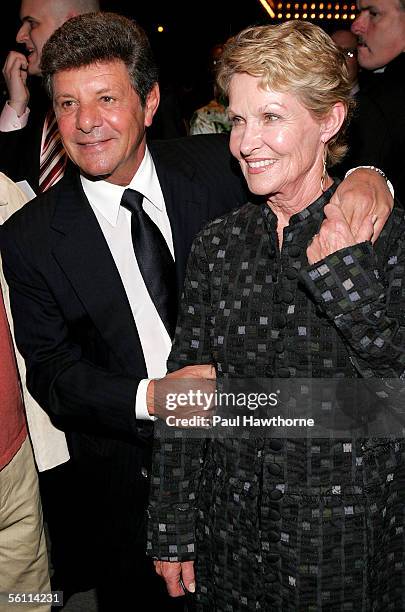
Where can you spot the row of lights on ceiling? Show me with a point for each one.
(316, 16)
(323, 11)
(305, 15)
(321, 6)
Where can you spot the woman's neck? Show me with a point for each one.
(285, 205)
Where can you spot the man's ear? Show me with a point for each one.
(332, 123)
(151, 104)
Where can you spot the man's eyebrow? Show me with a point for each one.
(103, 90)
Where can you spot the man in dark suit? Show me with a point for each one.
(377, 134)
(87, 317)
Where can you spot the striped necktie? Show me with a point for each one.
(53, 156)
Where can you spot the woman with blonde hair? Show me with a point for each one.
(283, 289)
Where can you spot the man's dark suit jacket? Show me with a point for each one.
(73, 322)
(377, 133)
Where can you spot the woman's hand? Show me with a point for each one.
(336, 234)
(173, 572)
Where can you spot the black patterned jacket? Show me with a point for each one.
(270, 518)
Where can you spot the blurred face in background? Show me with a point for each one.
(380, 29)
(215, 55)
(347, 43)
(40, 18)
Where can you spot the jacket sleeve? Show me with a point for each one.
(178, 463)
(350, 289)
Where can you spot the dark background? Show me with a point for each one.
(191, 28)
(182, 50)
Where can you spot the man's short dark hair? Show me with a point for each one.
(101, 37)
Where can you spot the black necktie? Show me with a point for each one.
(154, 260)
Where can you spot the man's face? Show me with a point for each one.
(101, 119)
(40, 18)
(380, 28)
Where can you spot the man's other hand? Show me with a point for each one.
(195, 382)
(362, 196)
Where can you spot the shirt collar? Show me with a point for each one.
(313, 211)
(106, 197)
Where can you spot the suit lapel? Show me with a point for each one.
(186, 204)
(82, 252)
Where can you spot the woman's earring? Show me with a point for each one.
(324, 173)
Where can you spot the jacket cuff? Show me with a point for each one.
(171, 534)
(345, 281)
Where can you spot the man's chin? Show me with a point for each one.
(33, 67)
(365, 59)
(33, 70)
(94, 172)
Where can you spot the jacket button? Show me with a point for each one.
(274, 515)
(274, 468)
(281, 321)
(275, 495)
(291, 273)
(288, 297)
(276, 445)
(274, 536)
(273, 557)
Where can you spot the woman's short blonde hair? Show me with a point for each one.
(298, 57)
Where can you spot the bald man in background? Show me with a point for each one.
(24, 119)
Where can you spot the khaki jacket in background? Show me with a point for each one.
(49, 443)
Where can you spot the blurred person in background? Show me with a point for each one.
(30, 146)
(23, 554)
(213, 117)
(347, 43)
(377, 136)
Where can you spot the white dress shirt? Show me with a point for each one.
(115, 223)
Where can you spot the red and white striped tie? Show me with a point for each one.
(53, 158)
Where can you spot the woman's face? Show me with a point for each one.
(276, 140)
